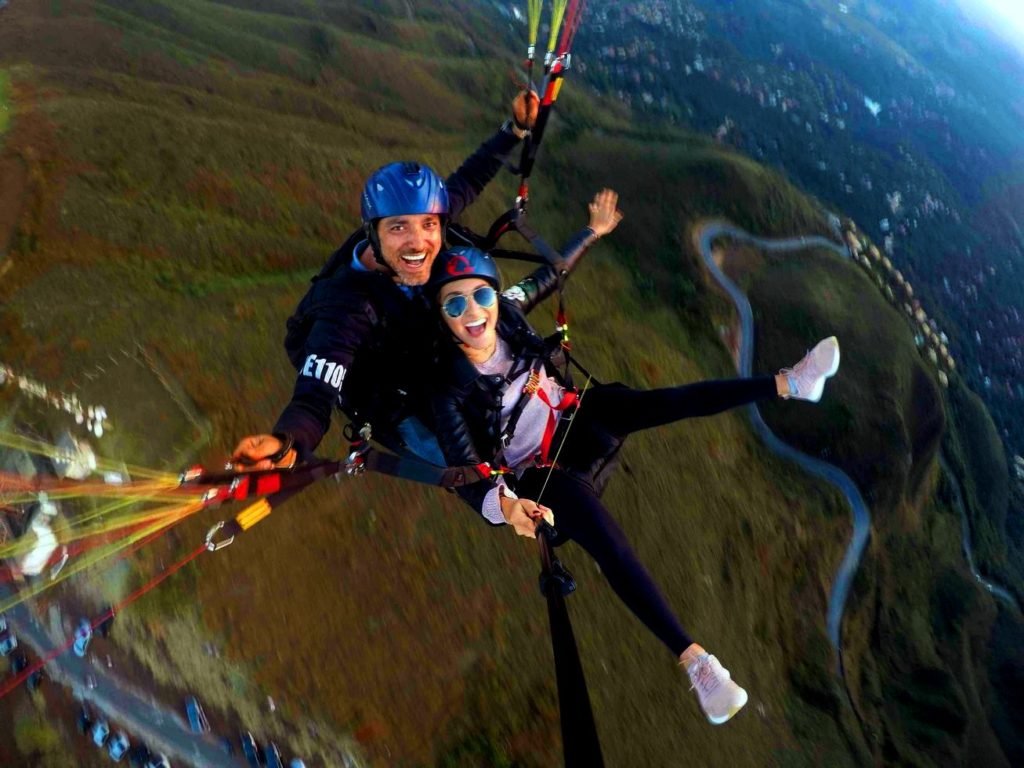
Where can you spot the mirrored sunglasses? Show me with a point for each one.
(457, 304)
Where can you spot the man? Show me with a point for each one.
(363, 330)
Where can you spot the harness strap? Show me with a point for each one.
(517, 410)
(223, 487)
(569, 399)
(580, 744)
(553, 257)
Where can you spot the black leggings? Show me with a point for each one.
(580, 515)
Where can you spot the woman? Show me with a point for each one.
(503, 400)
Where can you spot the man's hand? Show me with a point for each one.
(254, 454)
(523, 514)
(524, 110)
(604, 212)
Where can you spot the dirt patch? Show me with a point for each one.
(34, 174)
(12, 194)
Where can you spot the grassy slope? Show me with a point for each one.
(5, 101)
(186, 174)
(977, 456)
(920, 637)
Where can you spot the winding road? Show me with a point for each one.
(965, 528)
(707, 234)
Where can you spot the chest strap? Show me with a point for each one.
(532, 381)
(570, 399)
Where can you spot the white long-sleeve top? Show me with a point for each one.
(529, 434)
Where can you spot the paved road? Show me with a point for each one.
(139, 714)
(707, 234)
(965, 528)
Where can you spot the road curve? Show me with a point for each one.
(965, 529)
(139, 714)
(707, 233)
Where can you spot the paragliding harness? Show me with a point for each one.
(581, 746)
(579, 734)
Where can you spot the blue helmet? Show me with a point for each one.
(403, 188)
(462, 262)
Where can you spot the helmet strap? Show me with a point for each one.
(371, 234)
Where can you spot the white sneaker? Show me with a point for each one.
(719, 696)
(807, 378)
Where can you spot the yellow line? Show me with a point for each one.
(533, 11)
(95, 557)
(19, 442)
(557, 14)
(249, 516)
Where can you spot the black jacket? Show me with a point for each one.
(467, 404)
(359, 342)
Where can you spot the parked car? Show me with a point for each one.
(250, 750)
(196, 716)
(84, 719)
(18, 663)
(3, 622)
(138, 756)
(8, 642)
(117, 747)
(100, 732)
(108, 622)
(272, 756)
(159, 761)
(82, 637)
(35, 680)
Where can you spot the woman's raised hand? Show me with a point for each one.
(523, 515)
(604, 212)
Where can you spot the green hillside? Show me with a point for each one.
(5, 102)
(923, 699)
(189, 164)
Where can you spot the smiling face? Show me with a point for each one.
(476, 328)
(409, 244)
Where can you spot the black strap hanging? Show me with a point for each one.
(580, 744)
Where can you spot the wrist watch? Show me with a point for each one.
(287, 443)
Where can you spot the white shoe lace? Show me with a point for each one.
(795, 374)
(704, 676)
(800, 367)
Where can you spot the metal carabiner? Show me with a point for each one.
(355, 462)
(212, 545)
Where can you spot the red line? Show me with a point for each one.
(14, 682)
(84, 545)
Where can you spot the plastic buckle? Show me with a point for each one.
(214, 546)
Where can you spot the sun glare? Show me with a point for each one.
(1005, 17)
